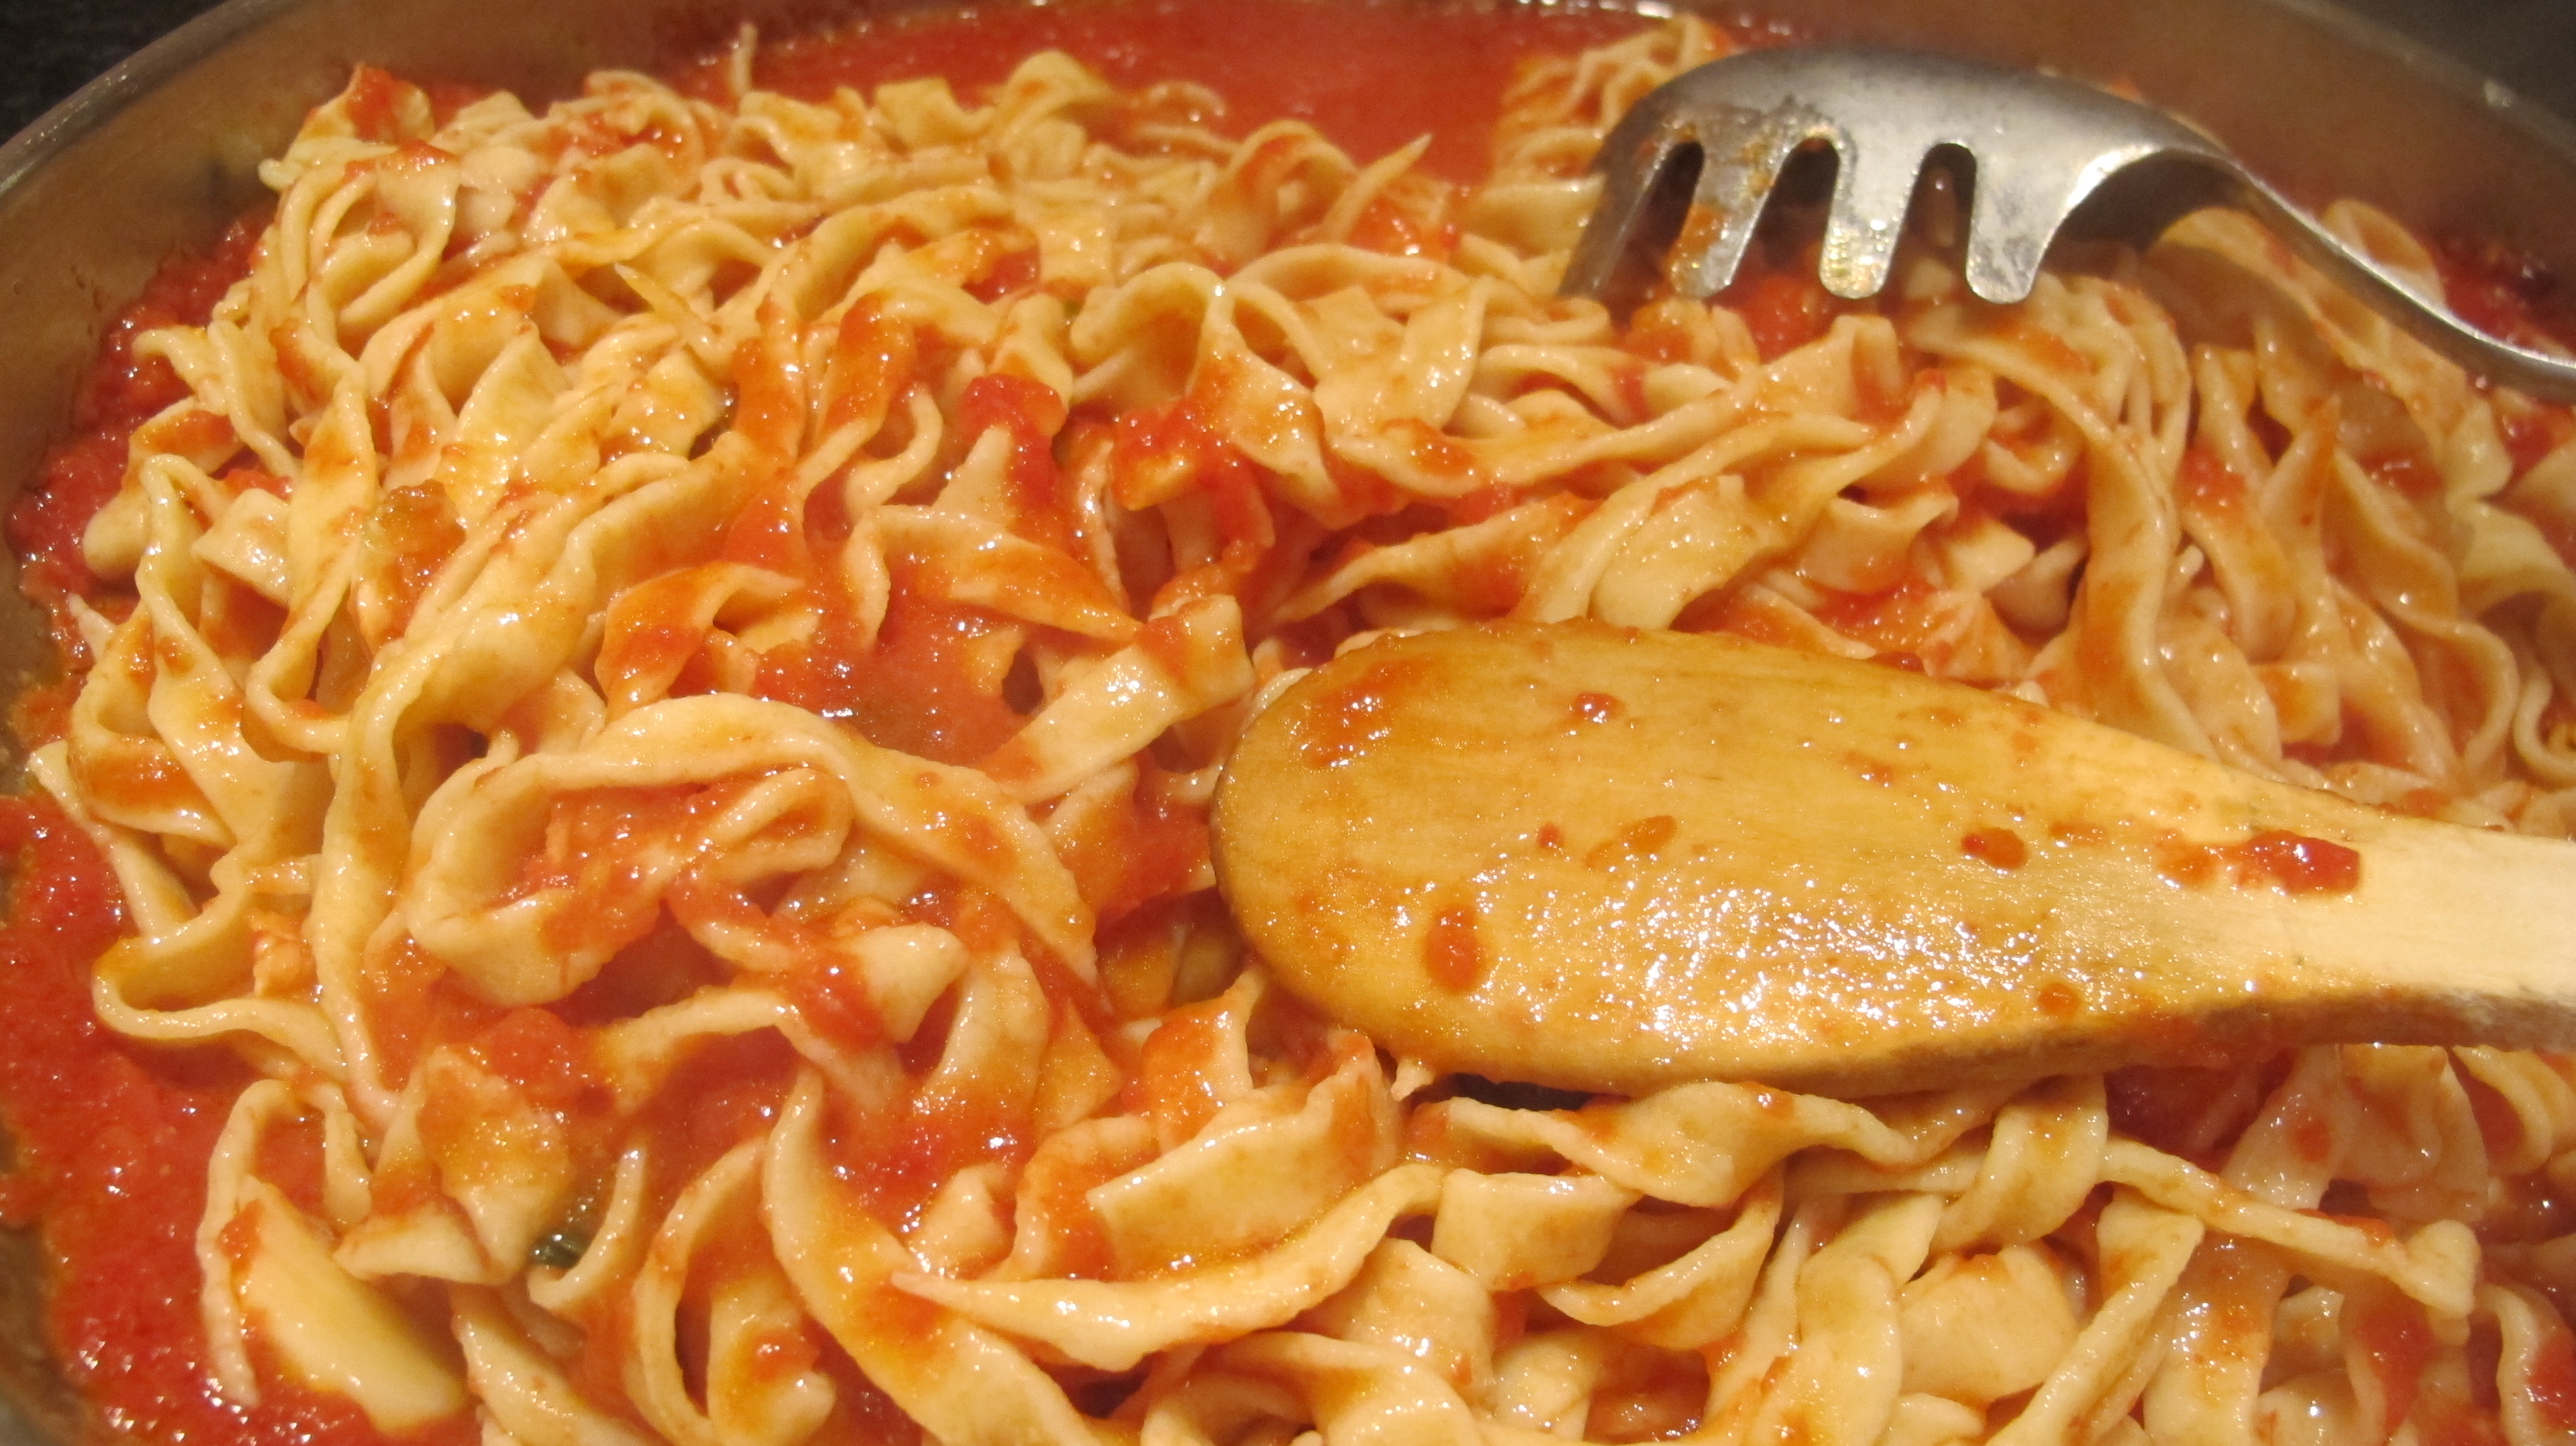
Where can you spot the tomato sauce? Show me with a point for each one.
(2397, 1342)
(111, 1142)
(1785, 308)
(1127, 858)
(1904, 623)
(1597, 707)
(1451, 954)
(1371, 76)
(2552, 1380)
(911, 688)
(900, 1154)
(119, 393)
(2294, 863)
(1171, 1081)
(2504, 293)
(111, 1138)
(2182, 1109)
(1031, 414)
(2000, 847)
(1351, 718)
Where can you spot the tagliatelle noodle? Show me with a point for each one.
(678, 654)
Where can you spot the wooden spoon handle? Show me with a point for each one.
(1611, 860)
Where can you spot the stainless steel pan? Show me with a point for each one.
(162, 151)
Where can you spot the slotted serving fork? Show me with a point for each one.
(2040, 147)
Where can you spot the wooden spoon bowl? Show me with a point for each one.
(1612, 860)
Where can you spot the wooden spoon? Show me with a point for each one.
(1613, 860)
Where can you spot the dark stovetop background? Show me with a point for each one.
(49, 47)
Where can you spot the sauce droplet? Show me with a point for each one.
(1639, 840)
(1450, 951)
(1998, 846)
(2299, 864)
(1344, 722)
(2294, 863)
(1596, 707)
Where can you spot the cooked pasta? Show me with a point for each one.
(660, 691)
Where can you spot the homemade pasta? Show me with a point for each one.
(661, 689)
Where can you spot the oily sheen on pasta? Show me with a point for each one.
(678, 653)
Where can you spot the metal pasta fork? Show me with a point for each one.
(2040, 147)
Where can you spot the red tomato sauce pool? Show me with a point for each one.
(111, 1142)
(1371, 75)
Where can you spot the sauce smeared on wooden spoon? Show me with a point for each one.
(1611, 860)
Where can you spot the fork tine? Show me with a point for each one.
(1872, 191)
(1738, 167)
(1631, 165)
(2017, 210)
(1742, 152)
